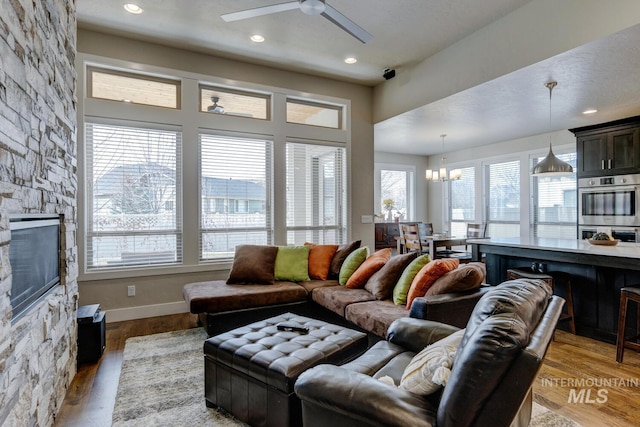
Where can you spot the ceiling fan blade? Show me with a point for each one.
(346, 24)
(259, 11)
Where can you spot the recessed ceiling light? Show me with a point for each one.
(133, 8)
(257, 38)
(350, 60)
(126, 100)
(590, 111)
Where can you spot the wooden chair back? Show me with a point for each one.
(425, 229)
(476, 231)
(411, 238)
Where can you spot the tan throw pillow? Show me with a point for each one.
(429, 370)
(381, 284)
(253, 264)
(464, 278)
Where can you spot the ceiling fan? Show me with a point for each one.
(215, 108)
(308, 7)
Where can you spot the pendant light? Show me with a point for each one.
(434, 175)
(551, 165)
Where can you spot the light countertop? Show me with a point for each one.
(621, 250)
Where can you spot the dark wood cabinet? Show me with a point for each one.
(386, 233)
(611, 148)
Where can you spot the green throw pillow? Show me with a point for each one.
(292, 263)
(401, 289)
(351, 264)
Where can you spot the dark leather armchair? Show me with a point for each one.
(502, 350)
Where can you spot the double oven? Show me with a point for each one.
(609, 204)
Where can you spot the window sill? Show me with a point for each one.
(154, 270)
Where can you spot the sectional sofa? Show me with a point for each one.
(329, 282)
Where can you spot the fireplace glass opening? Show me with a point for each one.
(34, 253)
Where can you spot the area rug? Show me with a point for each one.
(162, 384)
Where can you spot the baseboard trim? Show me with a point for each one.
(144, 311)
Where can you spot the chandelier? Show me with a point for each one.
(441, 175)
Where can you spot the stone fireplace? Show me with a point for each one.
(38, 165)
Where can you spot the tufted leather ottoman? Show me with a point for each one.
(250, 371)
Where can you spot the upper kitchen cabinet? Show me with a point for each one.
(611, 148)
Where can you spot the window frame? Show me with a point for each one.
(410, 183)
(190, 120)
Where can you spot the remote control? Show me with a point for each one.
(292, 328)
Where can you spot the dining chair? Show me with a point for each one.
(425, 229)
(411, 238)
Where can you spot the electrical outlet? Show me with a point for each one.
(131, 290)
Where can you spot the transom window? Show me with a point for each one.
(131, 87)
(314, 113)
(217, 100)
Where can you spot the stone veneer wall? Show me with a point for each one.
(38, 175)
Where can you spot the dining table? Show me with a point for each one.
(431, 244)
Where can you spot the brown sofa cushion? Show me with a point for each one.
(382, 282)
(216, 296)
(336, 298)
(310, 285)
(253, 264)
(341, 254)
(464, 278)
(385, 313)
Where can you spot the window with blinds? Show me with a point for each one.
(235, 194)
(133, 194)
(502, 182)
(316, 193)
(462, 204)
(554, 211)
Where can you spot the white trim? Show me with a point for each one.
(144, 311)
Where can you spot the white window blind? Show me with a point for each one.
(133, 184)
(463, 202)
(554, 210)
(235, 194)
(503, 190)
(316, 193)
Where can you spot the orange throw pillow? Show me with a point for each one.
(429, 274)
(372, 264)
(320, 258)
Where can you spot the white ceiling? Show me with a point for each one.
(604, 74)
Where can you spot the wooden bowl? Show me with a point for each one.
(603, 242)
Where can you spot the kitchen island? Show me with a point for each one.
(597, 274)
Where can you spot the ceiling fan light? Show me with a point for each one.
(133, 8)
(312, 7)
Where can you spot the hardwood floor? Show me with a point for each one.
(570, 359)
